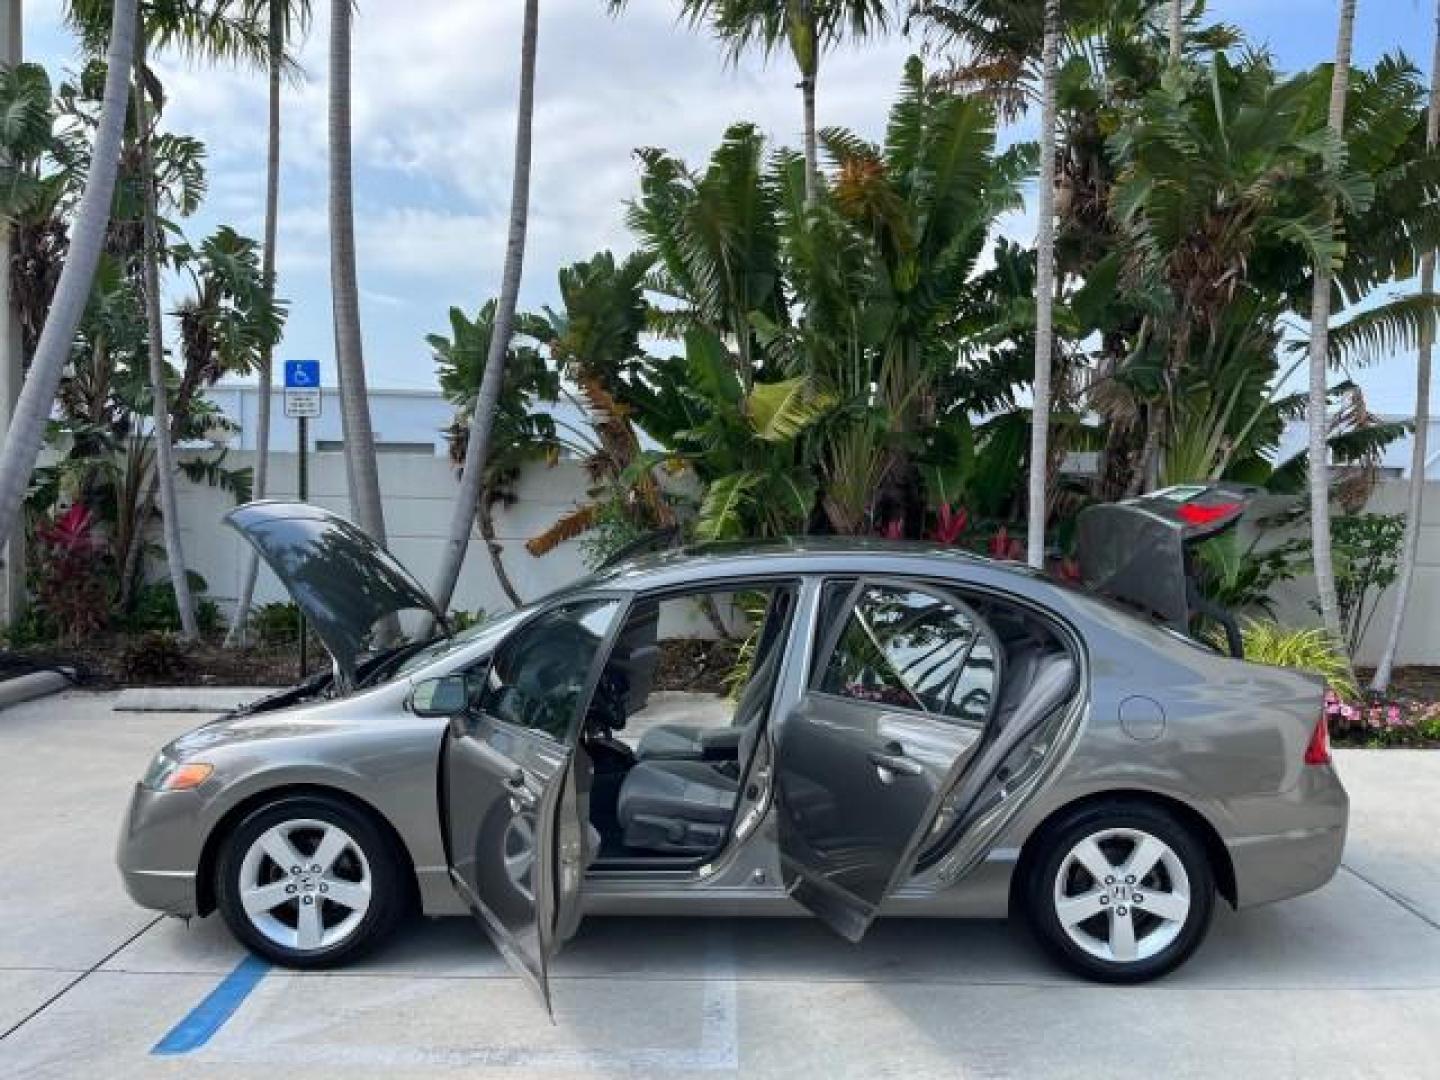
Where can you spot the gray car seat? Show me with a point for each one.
(697, 742)
(683, 807)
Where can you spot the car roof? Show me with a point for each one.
(801, 554)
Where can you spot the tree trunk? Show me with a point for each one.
(155, 334)
(1177, 32)
(482, 419)
(1319, 365)
(361, 468)
(494, 550)
(812, 139)
(251, 558)
(1044, 298)
(12, 343)
(26, 433)
(1419, 452)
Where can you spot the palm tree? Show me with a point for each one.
(286, 18)
(1044, 298)
(1319, 356)
(1177, 31)
(27, 423)
(160, 408)
(807, 27)
(1419, 451)
(482, 419)
(361, 466)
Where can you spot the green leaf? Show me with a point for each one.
(780, 411)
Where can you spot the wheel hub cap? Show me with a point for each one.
(1122, 895)
(305, 884)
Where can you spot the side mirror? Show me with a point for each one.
(440, 698)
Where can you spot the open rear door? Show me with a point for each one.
(515, 790)
(904, 683)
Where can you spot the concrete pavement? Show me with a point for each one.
(1345, 982)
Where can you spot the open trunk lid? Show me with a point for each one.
(1136, 551)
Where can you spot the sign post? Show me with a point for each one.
(302, 401)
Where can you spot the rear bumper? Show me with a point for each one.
(1288, 844)
(159, 850)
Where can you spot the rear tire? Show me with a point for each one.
(1120, 892)
(310, 882)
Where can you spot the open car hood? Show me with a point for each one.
(342, 581)
(1135, 551)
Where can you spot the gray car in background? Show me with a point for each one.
(922, 733)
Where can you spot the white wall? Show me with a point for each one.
(1420, 641)
(418, 492)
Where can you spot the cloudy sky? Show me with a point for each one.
(434, 85)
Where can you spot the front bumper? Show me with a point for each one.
(160, 849)
(1288, 844)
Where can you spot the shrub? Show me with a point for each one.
(155, 610)
(461, 619)
(154, 656)
(276, 623)
(1305, 649)
(72, 589)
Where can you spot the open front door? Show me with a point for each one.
(903, 684)
(516, 783)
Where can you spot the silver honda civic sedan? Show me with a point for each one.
(911, 732)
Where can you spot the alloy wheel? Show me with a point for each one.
(305, 884)
(1122, 895)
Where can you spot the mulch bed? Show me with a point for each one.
(111, 661)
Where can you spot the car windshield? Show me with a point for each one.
(442, 647)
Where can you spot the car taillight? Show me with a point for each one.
(1317, 752)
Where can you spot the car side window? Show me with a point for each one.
(539, 677)
(910, 649)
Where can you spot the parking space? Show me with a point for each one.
(1343, 982)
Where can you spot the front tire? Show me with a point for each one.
(309, 882)
(1120, 892)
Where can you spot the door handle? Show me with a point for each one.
(521, 797)
(898, 764)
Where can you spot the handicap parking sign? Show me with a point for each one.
(302, 374)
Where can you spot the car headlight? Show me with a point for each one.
(171, 774)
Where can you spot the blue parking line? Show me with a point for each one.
(203, 1021)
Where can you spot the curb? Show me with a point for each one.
(183, 699)
(34, 685)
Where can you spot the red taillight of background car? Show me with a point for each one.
(1317, 752)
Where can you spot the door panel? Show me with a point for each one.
(860, 780)
(516, 784)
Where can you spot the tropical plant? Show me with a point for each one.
(594, 342)
(1305, 649)
(26, 431)
(482, 416)
(73, 590)
(808, 28)
(154, 657)
(276, 623)
(522, 433)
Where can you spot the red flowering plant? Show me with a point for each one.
(71, 587)
(1004, 546)
(950, 524)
